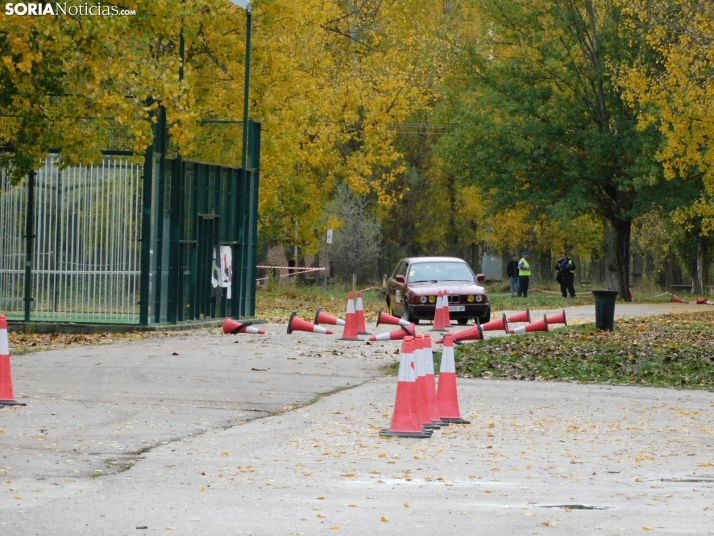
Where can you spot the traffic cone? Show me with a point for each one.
(350, 331)
(494, 325)
(447, 396)
(422, 390)
(438, 324)
(232, 327)
(675, 299)
(7, 398)
(359, 315)
(525, 316)
(405, 419)
(704, 301)
(428, 355)
(323, 318)
(557, 319)
(385, 318)
(474, 333)
(298, 324)
(540, 325)
(446, 318)
(395, 335)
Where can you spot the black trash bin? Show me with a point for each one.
(605, 309)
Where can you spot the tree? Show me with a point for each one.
(544, 124)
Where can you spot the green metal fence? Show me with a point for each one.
(124, 243)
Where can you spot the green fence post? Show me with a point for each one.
(145, 280)
(29, 243)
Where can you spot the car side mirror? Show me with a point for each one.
(400, 279)
(480, 277)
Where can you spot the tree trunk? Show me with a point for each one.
(622, 256)
(700, 267)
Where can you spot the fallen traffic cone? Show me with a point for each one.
(321, 317)
(675, 299)
(232, 327)
(438, 324)
(350, 331)
(395, 335)
(359, 315)
(493, 325)
(525, 316)
(447, 397)
(405, 419)
(298, 324)
(428, 355)
(385, 318)
(7, 398)
(540, 325)
(558, 319)
(704, 301)
(474, 333)
(446, 315)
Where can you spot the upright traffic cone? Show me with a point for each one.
(525, 316)
(447, 396)
(395, 335)
(232, 327)
(704, 301)
(428, 356)
(557, 319)
(675, 299)
(405, 419)
(350, 331)
(7, 398)
(540, 325)
(493, 325)
(438, 324)
(422, 391)
(384, 318)
(446, 318)
(298, 324)
(321, 317)
(359, 315)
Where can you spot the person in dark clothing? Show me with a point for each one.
(565, 269)
(524, 274)
(512, 273)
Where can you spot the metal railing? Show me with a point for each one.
(85, 247)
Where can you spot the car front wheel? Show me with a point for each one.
(486, 317)
(462, 321)
(409, 316)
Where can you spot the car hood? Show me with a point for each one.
(429, 288)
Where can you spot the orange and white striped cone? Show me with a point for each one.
(350, 331)
(558, 319)
(704, 301)
(321, 317)
(525, 316)
(405, 419)
(428, 355)
(7, 397)
(231, 327)
(447, 396)
(422, 391)
(439, 313)
(359, 315)
(474, 333)
(396, 334)
(540, 325)
(493, 325)
(298, 324)
(384, 318)
(446, 315)
(674, 299)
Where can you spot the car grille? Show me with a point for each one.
(454, 299)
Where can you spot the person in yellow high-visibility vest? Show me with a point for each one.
(524, 274)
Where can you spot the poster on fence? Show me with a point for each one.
(222, 275)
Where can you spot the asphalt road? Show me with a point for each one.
(230, 435)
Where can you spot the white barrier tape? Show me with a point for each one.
(296, 272)
(307, 268)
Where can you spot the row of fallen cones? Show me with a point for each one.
(700, 301)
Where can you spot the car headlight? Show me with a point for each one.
(470, 299)
(432, 299)
(479, 298)
(423, 299)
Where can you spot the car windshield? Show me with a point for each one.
(440, 271)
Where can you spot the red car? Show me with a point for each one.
(412, 289)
